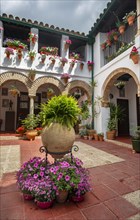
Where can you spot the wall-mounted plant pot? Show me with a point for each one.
(131, 20)
(135, 58)
(122, 29)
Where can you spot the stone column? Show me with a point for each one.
(34, 47)
(1, 34)
(64, 53)
(31, 104)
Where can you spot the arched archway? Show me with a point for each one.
(80, 84)
(46, 80)
(7, 76)
(112, 77)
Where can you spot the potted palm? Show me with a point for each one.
(58, 118)
(30, 123)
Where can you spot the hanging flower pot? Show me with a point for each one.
(103, 46)
(32, 74)
(81, 66)
(120, 84)
(135, 58)
(52, 59)
(131, 20)
(65, 77)
(43, 58)
(32, 38)
(63, 61)
(14, 91)
(122, 29)
(130, 17)
(90, 65)
(108, 42)
(134, 55)
(115, 37)
(9, 51)
(67, 44)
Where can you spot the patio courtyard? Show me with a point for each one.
(115, 179)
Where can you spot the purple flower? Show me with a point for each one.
(67, 178)
(41, 173)
(35, 176)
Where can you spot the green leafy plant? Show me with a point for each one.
(85, 110)
(136, 133)
(127, 15)
(112, 125)
(30, 122)
(60, 109)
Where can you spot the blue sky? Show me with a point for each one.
(77, 15)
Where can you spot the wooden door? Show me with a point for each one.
(123, 126)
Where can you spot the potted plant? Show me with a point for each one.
(14, 91)
(50, 92)
(9, 51)
(27, 174)
(120, 84)
(19, 53)
(30, 123)
(67, 44)
(75, 56)
(72, 63)
(43, 57)
(32, 74)
(21, 130)
(83, 133)
(65, 77)
(44, 191)
(58, 118)
(134, 55)
(82, 182)
(103, 45)
(32, 55)
(63, 60)
(90, 65)
(111, 128)
(81, 65)
(66, 177)
(130, 17)
(121, 26)
(90, 131)
(32, 38)
(101, 136)
(52, 59)
(136, 140)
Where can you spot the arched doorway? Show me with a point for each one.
(127, 97)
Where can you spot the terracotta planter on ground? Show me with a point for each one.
(62, 197)
(28, 196)
(44, 205)
(111, 135)
(96, 137)
(31, 134)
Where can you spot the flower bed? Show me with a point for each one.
(45, 181)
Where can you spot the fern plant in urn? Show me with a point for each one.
(58, 118)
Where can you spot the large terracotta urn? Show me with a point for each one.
(58, 139)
